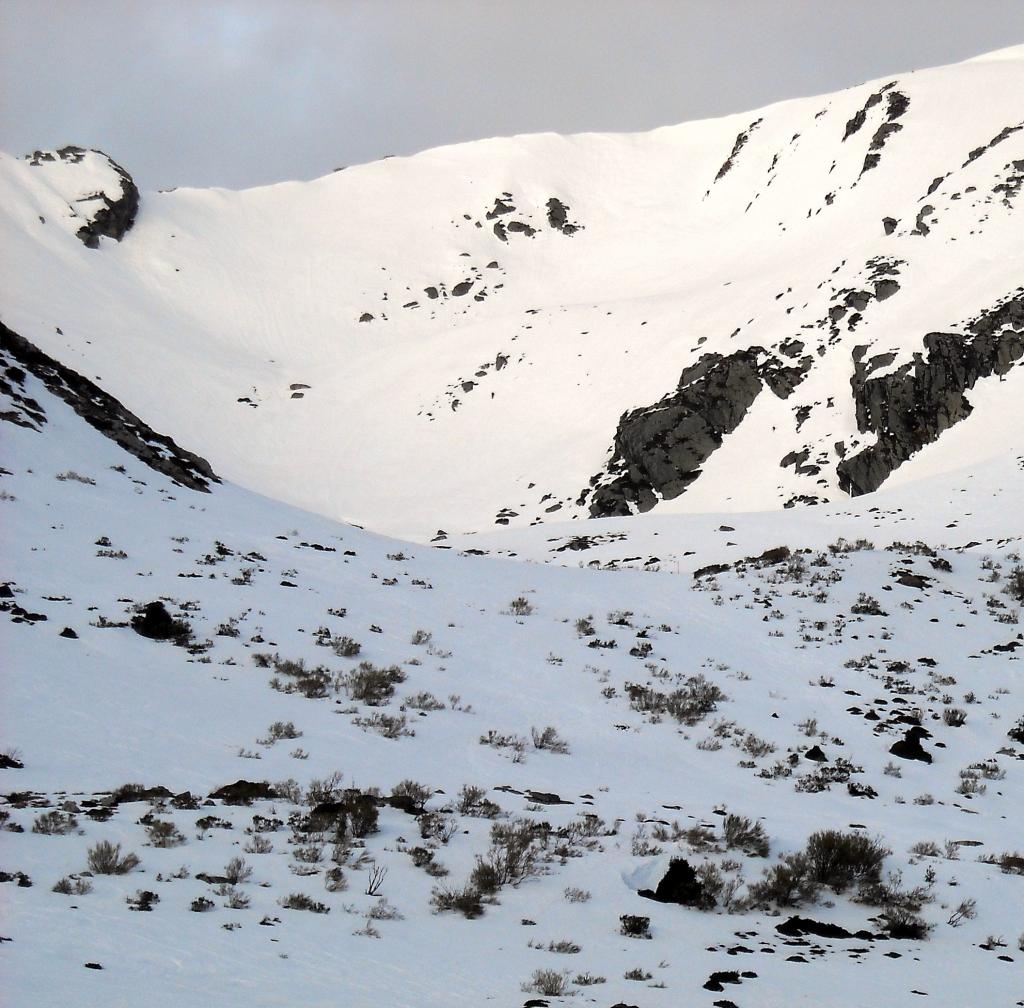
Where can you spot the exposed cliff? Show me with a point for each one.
(19, 357)
(912, 405)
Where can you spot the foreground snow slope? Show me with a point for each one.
(521, 294)
(838, 648)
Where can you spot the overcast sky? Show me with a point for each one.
(200, 92)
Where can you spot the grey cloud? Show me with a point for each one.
(243, 93)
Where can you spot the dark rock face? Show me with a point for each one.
(1002, 135)
(156, 623)
(897, 104)
(797, 927)
(860, 116)
(680, 885)
(913, 405)
(719, 977)
(741, 141)
(242, 792)
(558, 217)
(95, 407)
(117, 210)
(909, 747)
(659, 449)
(139, 794)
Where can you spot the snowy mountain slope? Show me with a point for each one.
(530, 304)
(775, 689)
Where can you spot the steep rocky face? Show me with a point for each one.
(659, 449)
(109, 209)
(19, 357)
(911, 406)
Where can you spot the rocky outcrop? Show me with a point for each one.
(912, 405)
(116, 203)
(659, 449)
(558, 217)
(858, 119)
(1002, 135)
(102, 411)
(741, 141)
(897, 104)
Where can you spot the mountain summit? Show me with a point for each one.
(810, 295)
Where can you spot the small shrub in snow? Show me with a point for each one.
(435, 826)
(838, 860)
(324, 789)
(843, 546)
(288, 790)
(55, 823)
(970, 784)
(234, 899)
(469, 798)
(415, 793)
(866, 605)
(689, 704)
(375, 876)
(282, 730)
(789, 882)
(300, 901)
(635, 927)
(636, 974)
(564, 947)
(755, 747)
(520, 607)
(373, 686)
(295, 677)
(389, 726)
(905, 924)
(574, 895)
(237, 871)
(500, 740)
(164, 833)
(1014, 586)
(548, 983)
(1009, 864)
(423, 701)
(514, 856)
(954, 717)
(69, 886)
(1017, 731)
(259, 845)
(201, 904)
(143, 900)
(967, 910)
(106, 859)
(549, 739)
(334, 880)
(746, 835)
(466, 901)
(345, 647)
(383, 910)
